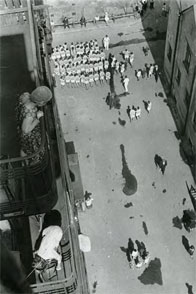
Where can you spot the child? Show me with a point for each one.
(86, 80)
(73, 79)
(96, 77)
(106, 64)
(62, 81)
(91, 79)
(107, 76)
(77, 80)
(138, 112)
(67, 80)
(101, 77)
(82, 79)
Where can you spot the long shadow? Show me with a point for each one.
(185, 243)
(130, 186)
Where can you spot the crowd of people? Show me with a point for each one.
(81, 64)
(137, 257)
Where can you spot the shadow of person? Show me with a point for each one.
(145, 104)
(185, 243)
(190, 288)
(177, 222)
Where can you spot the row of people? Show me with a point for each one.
(147, 71)
(85, 79)
(75, 49)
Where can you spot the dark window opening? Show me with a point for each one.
(178, 77)
(169, 52)
(187, 59)
(194, 122)
(187, 99)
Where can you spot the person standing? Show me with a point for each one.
(66, 22)
(149, 106)
(131, 59)
(156, 72)
(163, 166)
(132, 113)
(106, 42)
(138, 113)
(128, 112)
(126, 83)
(191, 250)
(83, 21)
(107, 18)
(151, 70)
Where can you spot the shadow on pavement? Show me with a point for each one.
(152, 274)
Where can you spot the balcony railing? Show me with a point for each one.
(33, 188)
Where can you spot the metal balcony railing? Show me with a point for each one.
(33, 187)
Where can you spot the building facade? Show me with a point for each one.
(180, 66)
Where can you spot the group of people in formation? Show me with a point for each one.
(81, 64)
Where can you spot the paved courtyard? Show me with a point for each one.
(148, 214)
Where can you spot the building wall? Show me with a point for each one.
(171, 37)
(183, 87)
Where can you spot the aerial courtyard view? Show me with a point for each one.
(98, 156)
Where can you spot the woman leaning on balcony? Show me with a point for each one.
(28, 118)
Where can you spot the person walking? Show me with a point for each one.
(149, 106)
(106, 42)
(126, 83)
(151, 4)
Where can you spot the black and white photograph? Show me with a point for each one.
(98, 146)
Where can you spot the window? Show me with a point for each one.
(194, 122)
(187, 59)
(169, 52)
(187, 99)
(178, 77)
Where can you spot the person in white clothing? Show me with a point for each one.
(126, 83)
(132, 113)
(106, 42)
(52, 236)
(138, 112)
(149, 106)
(107, 18)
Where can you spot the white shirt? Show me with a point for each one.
(126, 81)
(52, 236)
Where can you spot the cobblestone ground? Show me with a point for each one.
(148, 214)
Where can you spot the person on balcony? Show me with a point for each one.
(28, 118)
